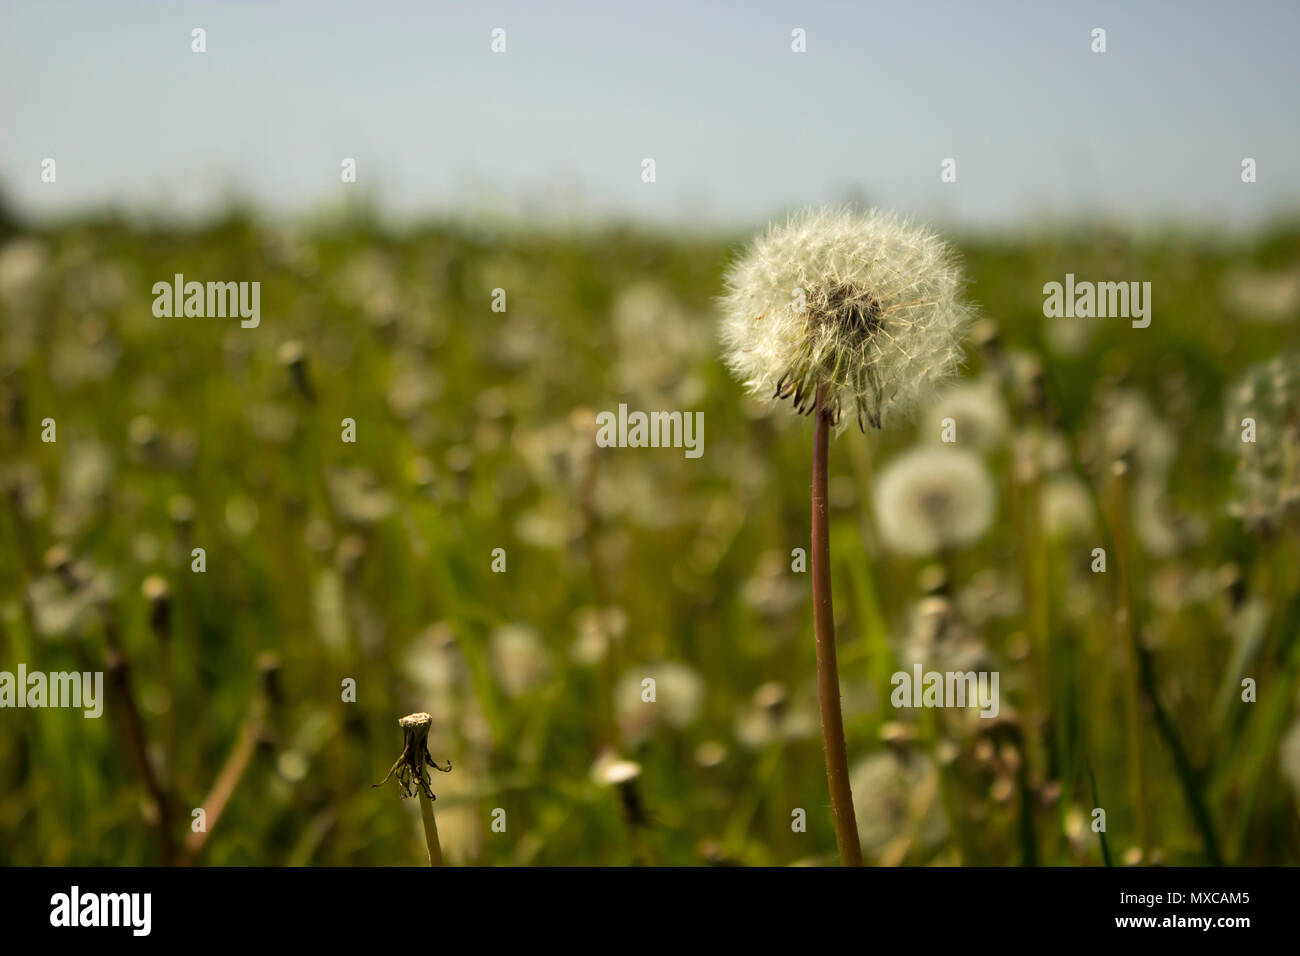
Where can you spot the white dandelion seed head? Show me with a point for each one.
(1163, 530)
(1130, 426)
(678, 698)
(611, 770)
(22, 263)
(867, 304)
(1263, 296)
(1066, 508)
(934, 499)
(977, 411)
(658, 343)
(774, 716)
(896, 799)
(939, 639)
(520, 660)
(1267, 486)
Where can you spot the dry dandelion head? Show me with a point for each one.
(866, 305)
(410, 765)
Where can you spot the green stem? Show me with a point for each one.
(1128, 635)
(1188, 776)
(430, 829)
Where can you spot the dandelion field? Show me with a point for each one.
(377, 562)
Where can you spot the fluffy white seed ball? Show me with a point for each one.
(866, 304)
(933, 499)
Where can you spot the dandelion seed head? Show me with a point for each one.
(1162, 530)
(520, 660)
(1066, 508)
(938, 639)
(1130, 427)
(612, 771)
(976, 410)
(932, 499)
(773, 717)
(897, 805)
(866, 304)
(1267, 488)
(22, 264)
(1263, 296)
(678, 698)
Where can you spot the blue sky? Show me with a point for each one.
(741, 128)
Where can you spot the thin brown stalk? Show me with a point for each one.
(828, 678)
(119, 673)
(232, 772)
(251, 732)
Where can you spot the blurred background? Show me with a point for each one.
(372, 561)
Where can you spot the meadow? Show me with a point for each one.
(475, 554)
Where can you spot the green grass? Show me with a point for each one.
(469, 438)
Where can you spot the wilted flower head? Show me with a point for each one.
(932, 499)
(865, 304)
(412, 776)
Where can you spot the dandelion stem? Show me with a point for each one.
(828, 678)
(430, 830)
(119, 674)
